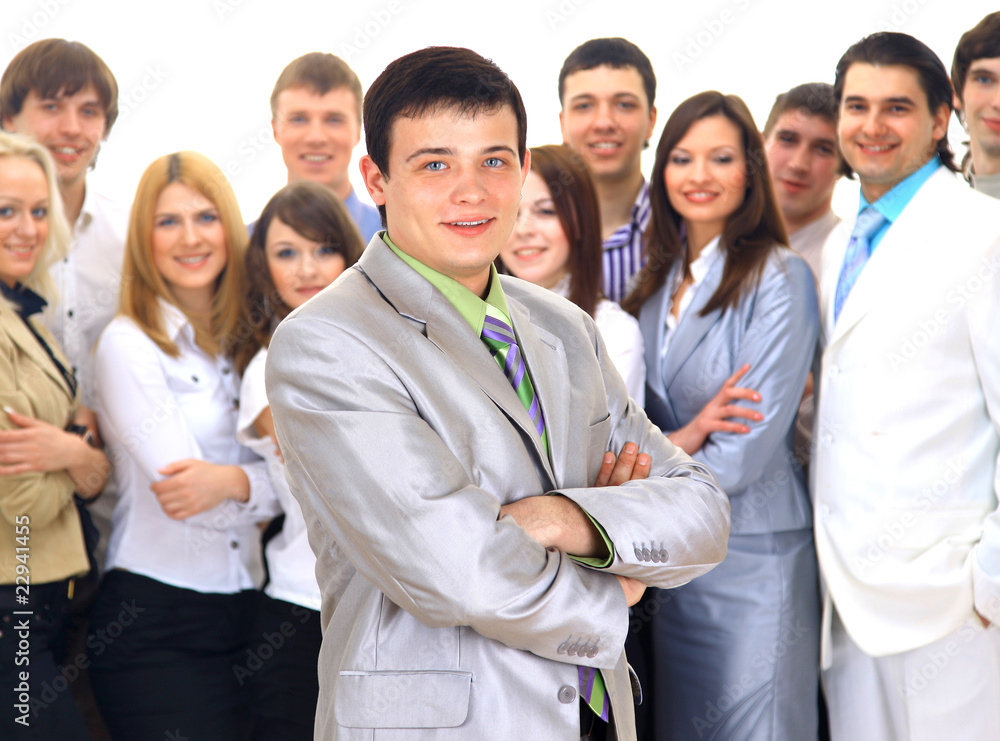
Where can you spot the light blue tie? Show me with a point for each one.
(859, 249)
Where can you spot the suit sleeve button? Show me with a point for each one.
(638, 552)
(592, 651)
(663, 555)
(646, 555)
(567, 694)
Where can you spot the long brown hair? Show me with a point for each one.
(751, 232)
(143, 286)
(575, 200)
(317, 214)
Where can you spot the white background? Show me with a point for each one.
(198, 74)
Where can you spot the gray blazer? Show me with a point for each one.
(774, 329)
(402, 439)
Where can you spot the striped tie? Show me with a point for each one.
(859, 249)
(500, 339)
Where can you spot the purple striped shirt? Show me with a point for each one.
(624, 251)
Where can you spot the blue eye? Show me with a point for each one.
(6, 212)
(40, 213)
(326, 250)
(724, 159)
(285, 253)
(435, 166)
(679, 159)
(164, 221)
(208, 216)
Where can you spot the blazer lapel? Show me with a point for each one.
(549, 371)
(894, 258)
(693, 327)
(417, 300)
(29, 345)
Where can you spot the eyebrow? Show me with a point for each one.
(893, 99)
(450, 152)
(974, 70)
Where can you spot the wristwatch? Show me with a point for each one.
(85, 433)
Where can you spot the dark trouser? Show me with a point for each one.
(280, 664)
(36, 645)
(164, 660)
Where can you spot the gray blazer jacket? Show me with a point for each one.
(402, 439)
(774, 328)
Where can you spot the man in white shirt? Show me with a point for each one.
(64, 96)
(975, 75)
(800, 138)
(606, 89)
(316, 119)
(904, 472)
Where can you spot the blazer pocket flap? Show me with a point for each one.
(402, 699)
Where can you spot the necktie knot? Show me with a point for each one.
(859, 249)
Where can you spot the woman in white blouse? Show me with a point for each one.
(174, 610)
(303, 240)
(556, 244)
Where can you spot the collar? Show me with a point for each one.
(469, 305)
(27, 301)
(640, 211)
(562, 287)
(704, 262)
(175, 321)
(891, 204)
(87, 210)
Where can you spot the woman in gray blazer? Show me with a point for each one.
(721, 301)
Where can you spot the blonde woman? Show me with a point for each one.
(44, 456)
(184, 530)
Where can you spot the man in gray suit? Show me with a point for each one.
(447, 434)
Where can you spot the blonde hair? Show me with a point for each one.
(143, 286)
(57, 244)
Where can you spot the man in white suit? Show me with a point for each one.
(475, 581)
(906, 442)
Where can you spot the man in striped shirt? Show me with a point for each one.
(607, 88)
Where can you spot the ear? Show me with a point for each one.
(374, 179)
(562, 127)
(527, 166)
(652, 123)
(941, 116)
(274, 132)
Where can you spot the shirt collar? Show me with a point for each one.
(87, 210)
(27, 301)
(469, 305)
(892, 203)
(705, 260)
(623, 234)
(175, 321)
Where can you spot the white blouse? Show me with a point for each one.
(153, 410)
(623, 339)
(291, 562)
(699, 269)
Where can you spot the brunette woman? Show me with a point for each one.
(733, 654)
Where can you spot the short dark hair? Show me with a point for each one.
(815, 99)
(53, 67)
(617, 53)
(317, 214)
(575, 200)
(888, 48)
(319, 72)
(752, 232)
(438, 77)
(980, 42)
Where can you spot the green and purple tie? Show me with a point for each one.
(499, 338)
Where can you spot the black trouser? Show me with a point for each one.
(280, 669)
(32, 650)
(164, 660)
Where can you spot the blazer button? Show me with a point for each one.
(663, 555)
(638, 552)
(646, 555)
(567, 694)
(654, 556)
(592, 651)
(563, 646)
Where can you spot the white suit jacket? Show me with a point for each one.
(904, 468)
(402, 439)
